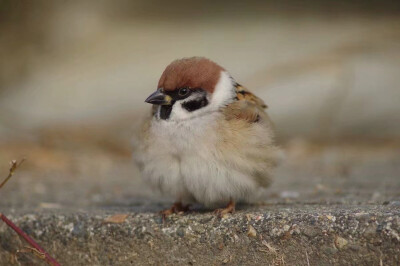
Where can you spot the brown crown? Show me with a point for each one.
(193, 72)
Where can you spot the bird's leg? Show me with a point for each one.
(230, 208)
(177, 207)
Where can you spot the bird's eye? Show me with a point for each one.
(183, 92)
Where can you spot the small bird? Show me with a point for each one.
(207, 140)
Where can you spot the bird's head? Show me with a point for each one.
(190, 87)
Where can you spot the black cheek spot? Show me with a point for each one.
(195, 104)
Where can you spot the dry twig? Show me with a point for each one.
(31, 250)
(36, 249)
(14, 166)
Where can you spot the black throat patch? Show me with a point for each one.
(165, 111)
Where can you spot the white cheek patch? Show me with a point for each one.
(178, 112)
(223, 94)
(224, 91)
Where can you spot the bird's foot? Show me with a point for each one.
(230, 208)
(177, 207)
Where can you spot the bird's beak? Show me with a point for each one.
(159, 98)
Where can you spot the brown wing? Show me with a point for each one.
(248, 107)
(247, 137)
(243, 93)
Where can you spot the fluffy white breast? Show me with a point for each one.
(185, 135)
(172, 143)
(185, 163)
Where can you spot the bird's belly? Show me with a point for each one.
(213, 183)
(163, 173)
(199, 179)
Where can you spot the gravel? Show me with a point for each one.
(277, 234)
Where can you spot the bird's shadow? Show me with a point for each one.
(150, 206)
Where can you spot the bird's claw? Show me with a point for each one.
(224, 211)
(177, 208)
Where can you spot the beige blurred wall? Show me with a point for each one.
(324, 69)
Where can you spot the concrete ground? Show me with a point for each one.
(277, 234)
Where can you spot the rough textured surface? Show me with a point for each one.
(279, 234)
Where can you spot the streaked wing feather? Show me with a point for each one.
(242, 93)
(247, 107)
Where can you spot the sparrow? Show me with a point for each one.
(207, 140)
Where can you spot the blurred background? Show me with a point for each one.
(74, 76)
